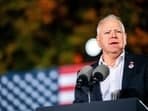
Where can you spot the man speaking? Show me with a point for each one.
(128, 73)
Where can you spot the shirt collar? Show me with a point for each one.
(119, 59)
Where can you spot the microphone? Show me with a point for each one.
(83, 76)
(115, 95)
(100, 73)
(82, 85)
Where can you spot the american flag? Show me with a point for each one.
(26, 91)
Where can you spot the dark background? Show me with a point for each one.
(45, 33)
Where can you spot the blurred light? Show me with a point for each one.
(4, 92)
(34, 95)
(35, 83)
(23, 96)
(53, 98)
(29, 89)
(4, 80)
(16, 102)
(41, 76)
(92, 48)
(54, 87)
(22, 84)
(53, 74)
(22, 107)
(16, 90)
(10, 97)
(4, 103)
(10, 85)
(16, 79)
(10, 108)
(47, 81)
(34, 106)
(41, 100)
(28, 77)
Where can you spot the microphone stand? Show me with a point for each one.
(94, 91)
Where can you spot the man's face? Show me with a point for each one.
(111, 37)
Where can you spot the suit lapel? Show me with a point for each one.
(129, 69)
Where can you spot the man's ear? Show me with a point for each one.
(125, 39)
(98, 40)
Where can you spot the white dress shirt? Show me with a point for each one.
(113, 82)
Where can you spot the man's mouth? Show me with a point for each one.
(113, 43)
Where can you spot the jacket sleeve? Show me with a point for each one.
(146, 83)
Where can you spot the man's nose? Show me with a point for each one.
(114, 35)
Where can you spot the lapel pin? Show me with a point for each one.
(131, 65)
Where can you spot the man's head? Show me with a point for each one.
(111, 35)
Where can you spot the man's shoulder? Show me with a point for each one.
(137, 57)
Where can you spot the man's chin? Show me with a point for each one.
(117, 51)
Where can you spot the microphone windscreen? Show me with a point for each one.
(83, 76)
(86, 71)
(101, 71)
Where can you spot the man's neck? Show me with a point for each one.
(110, 58)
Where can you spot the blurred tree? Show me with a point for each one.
(44, 33)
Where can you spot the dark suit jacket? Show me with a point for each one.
(134, 84)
